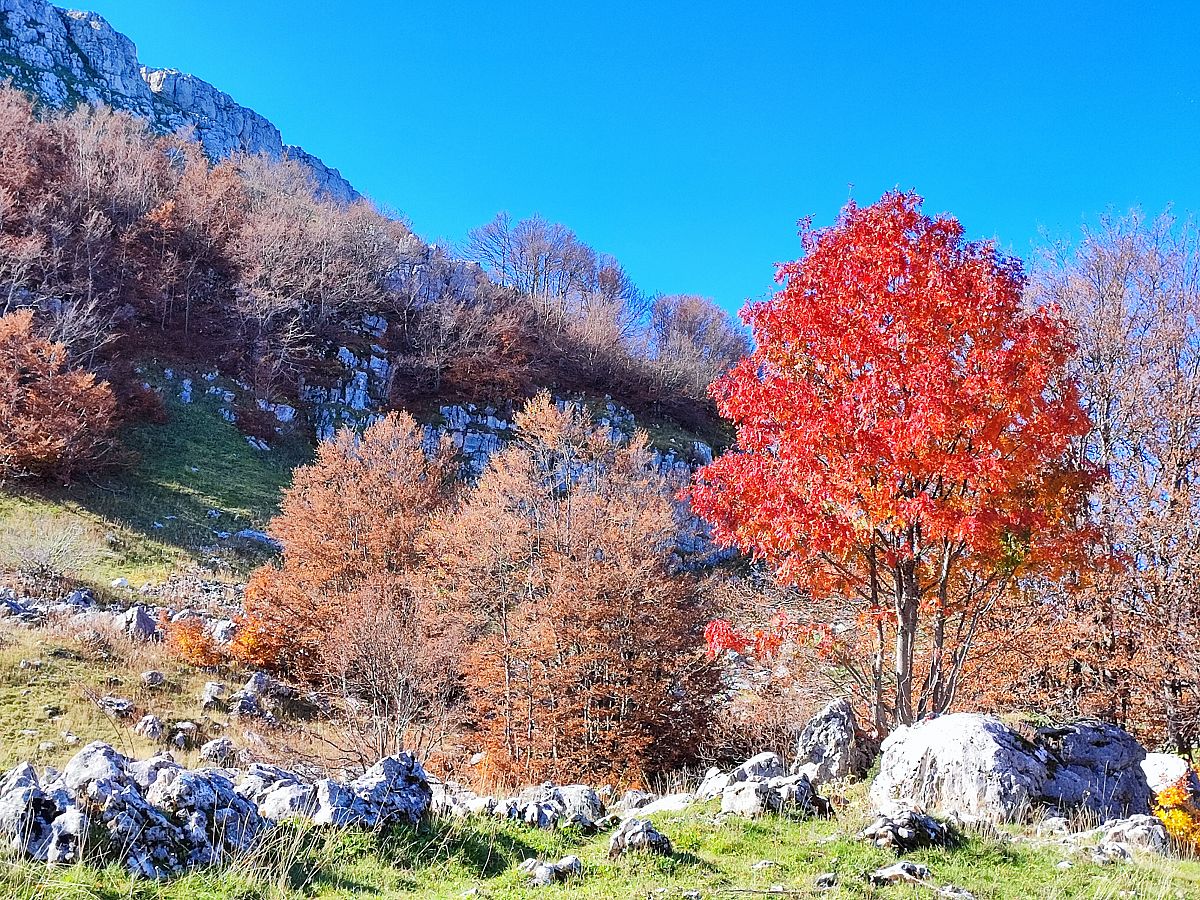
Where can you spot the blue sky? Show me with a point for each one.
(687, 139)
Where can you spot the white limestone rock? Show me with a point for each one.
(638, 836)
(977, 768)
(65, 57)
(829, 748)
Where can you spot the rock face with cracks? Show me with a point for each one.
(829, 748)
(64, 58)
(979, 769)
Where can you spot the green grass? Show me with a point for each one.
(195, 463)
(38, 704)
(450, 859)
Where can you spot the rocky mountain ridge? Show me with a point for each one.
(64, 57)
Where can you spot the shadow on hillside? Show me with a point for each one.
(483, 854)
(190, 483)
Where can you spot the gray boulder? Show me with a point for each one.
(215, 820)
(158, 819)
(146, 772)
(138, 625)
(638, 836)
(772, 795)
(211, 695)
(278, 793)
(977, 768)
(829, 747)
(223, 630)
(712, 784)
(758, 767)
(220, 752)
(580, 804)
(1165, 770)
(764, 765)
(548, 806)
(26, 813)
(543, 874)
(124, 825)
(1138, 832)
(393, 790)
(121, 707)
(97, 761)
(903, 872)
(903, 830)
(288, 801)
(150, 727)
(1095, 766)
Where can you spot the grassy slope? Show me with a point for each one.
(38, 704)
(447, 860)
(194, 463)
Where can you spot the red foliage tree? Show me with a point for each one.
(904, 427)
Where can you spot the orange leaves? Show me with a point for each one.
(1177, 809)
(188, 639)
(581, 653)
(54, 421)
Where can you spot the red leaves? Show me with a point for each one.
(904, 436)
(897, 383)
(719, 636)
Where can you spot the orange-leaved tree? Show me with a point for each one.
(55, 421)
(904, 427)
(585, 655)
(347, 611)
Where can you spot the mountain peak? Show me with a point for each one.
(66, 57)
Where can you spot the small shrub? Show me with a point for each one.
(1178, 811)
(254, 644)
(55, 421)
(254, 422)
(140, 403)
(45, 550)
(191, 642)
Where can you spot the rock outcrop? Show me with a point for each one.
(158, 819)
(1166, 770)
(977, 768)
(903, 830)
(65, 58)
(829, 747)
(638, 836)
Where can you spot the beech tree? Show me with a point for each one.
(1127, 647)
(347, 610)
(55, 422)
(694, 342)
(903, 435)
(582, 657)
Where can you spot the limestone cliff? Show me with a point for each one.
(65, 58)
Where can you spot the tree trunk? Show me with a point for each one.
(907, 607)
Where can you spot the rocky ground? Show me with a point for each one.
(113, 794)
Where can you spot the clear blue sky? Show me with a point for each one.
(687, 139)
